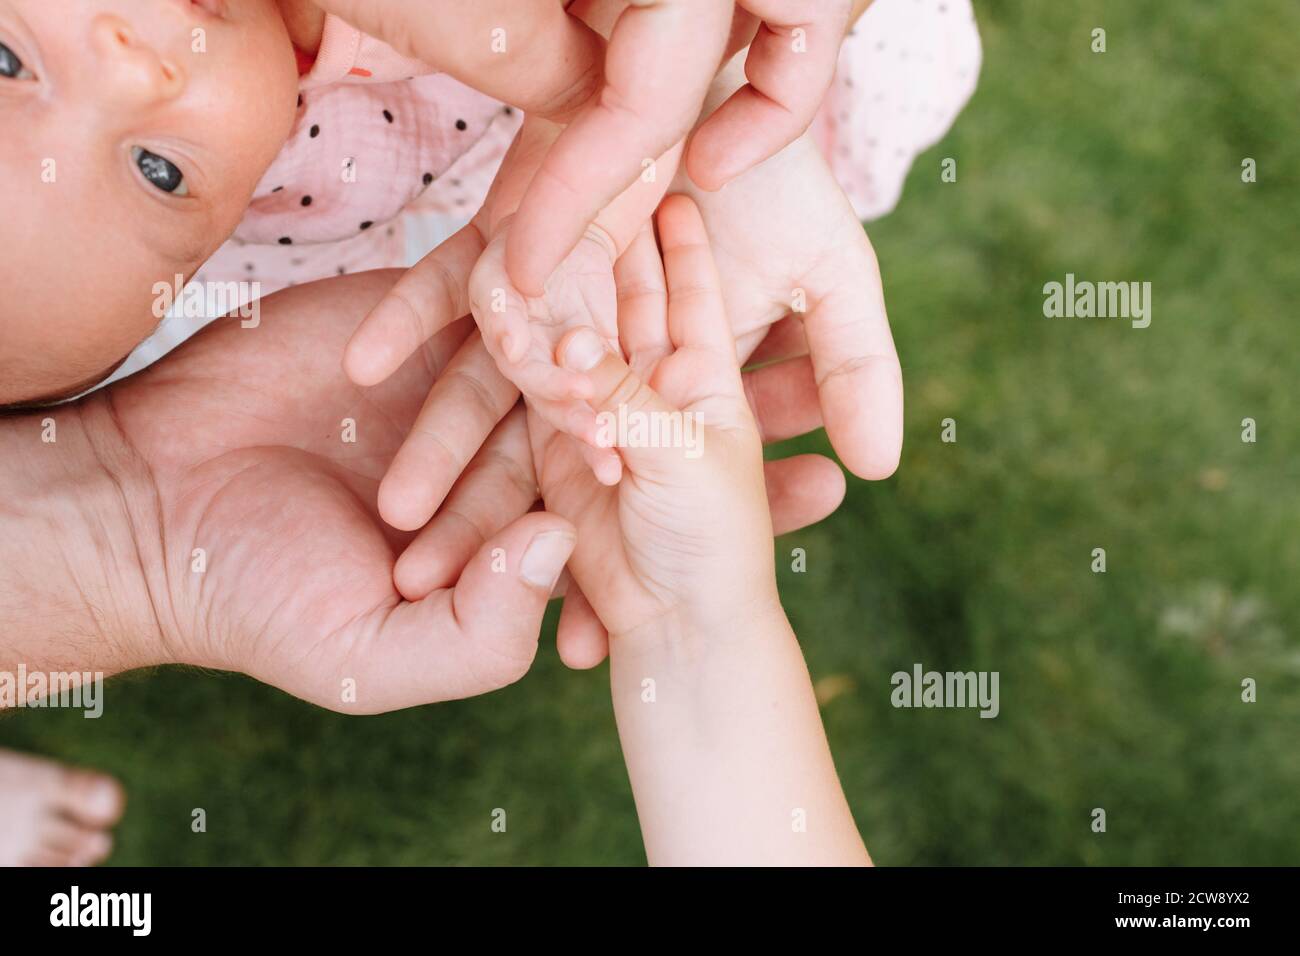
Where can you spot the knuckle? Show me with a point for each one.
(481, 399)
(627, 390)
(513, 472)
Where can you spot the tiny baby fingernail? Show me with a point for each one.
(544, 560)
(584, 351)
(611, 472)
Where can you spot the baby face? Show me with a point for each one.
(135, 132)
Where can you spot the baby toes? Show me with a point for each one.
(90, 799)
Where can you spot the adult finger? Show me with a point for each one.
(499, 486)
(661, 59)
(464, 406)
(790, 65)
(784, 340)
(468, 640)
(431, 295)
(802, 490)
(580, 639)
(784, 400)
(531, 55)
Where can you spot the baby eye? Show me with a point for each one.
(11, 68)
(160, 172)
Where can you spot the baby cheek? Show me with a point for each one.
(246, 151)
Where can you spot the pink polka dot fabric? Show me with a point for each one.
(904, 75)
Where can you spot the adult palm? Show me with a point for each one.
(273, 559)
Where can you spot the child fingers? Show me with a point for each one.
(704, 374)
(498, 307)
(790, 65)
(430, 296)
(614, 385)
(697, 317)
(605, 464)
(579, 421)
(540, 380)
(642, 299)
(463, 407)
(498, 487)
(620, 395)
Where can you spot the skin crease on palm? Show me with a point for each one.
(86, 235)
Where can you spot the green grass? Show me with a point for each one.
(1119, 691)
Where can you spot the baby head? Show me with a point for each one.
(136, 132)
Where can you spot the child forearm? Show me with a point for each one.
(725, 748)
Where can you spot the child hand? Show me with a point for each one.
(790, 248)
(677, 563)
(687, 532)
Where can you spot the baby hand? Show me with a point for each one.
(520, 331)
(687, 532)
(522, 334)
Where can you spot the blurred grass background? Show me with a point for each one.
(1118, 690)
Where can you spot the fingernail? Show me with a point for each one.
(583, 351)
(611, 472)
(544, 560)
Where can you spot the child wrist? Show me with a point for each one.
(684, 627)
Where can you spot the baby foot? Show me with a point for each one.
(54, 815)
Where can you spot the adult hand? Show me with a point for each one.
(264, 551)
(625, 102)
(662, 58)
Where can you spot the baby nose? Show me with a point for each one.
(131, 71)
